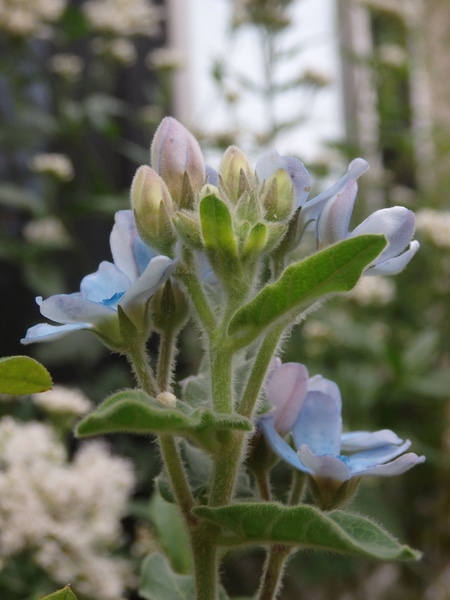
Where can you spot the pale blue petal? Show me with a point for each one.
(312, 209)
(396, 223)
(73, 308)
(43, 332)
(212, 176)
(317, 383)
(376, 456)
(365, 440)
(157, 272)
(334, 220)
(328, 467)
(122, 239)
(395, 265)
(269, 164)
(397, 467)
(319, 425)
(278, 445)
(106, 283)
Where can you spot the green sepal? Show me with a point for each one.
(64, 594)
(255, 242)
(134, 411)
(307, 527)
(21, 375)
(219, 239)
(330, 271)
(160, 582)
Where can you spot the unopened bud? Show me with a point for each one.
(278, 196)
(153, 209)
(169, 307)
(237, 174)
(174, 152)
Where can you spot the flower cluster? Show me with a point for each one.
(310, 409)
(436, 225)
(123, 17)
(65, 514)
(20, 18)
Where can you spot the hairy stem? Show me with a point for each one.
(259, 371)
(167, 351)
(273, 571)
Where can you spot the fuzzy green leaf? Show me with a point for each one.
(23, 375)
(171, 532)
(330, 271)
(219, 238)
(134, 411)
(63, 594)
(159, 582)
(307, 527)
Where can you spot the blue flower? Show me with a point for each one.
(331, 212)
(129, 282)
(320, 444)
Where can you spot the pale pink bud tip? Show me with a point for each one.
(175, 151)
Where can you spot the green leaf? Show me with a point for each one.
(217, 226)
(63, 594)
(171, 533)
(219, 239)
(134, 411)
(308, 527)
(330, 271)
(159, 582)
(23, 375)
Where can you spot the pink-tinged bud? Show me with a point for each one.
(153, 208)
(237, 174)
(286, 391)
(174, 152)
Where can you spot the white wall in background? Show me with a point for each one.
(202, 31)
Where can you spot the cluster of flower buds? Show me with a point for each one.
(241, 213)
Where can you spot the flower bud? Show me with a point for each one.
(153, 209)
(169, 307)
(174, 152)
(277, 196)
(237, 173)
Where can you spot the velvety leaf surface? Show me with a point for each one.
(333, 270)
(23, 375)
(307, 527)
(64, 594)
(134, 411)
(159, 582)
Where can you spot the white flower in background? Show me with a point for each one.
(48, 231)
(22, 18)
(64, 400)
(65, 515)
(373, 290)
(55, 164)
(69, 66)
(123, 17)
(165, 58)
(435, 224)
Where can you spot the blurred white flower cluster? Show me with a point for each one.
(66, 515)
(52, 163)
(22, 18)
(123, 17)
(435, 224)
(376, 290)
